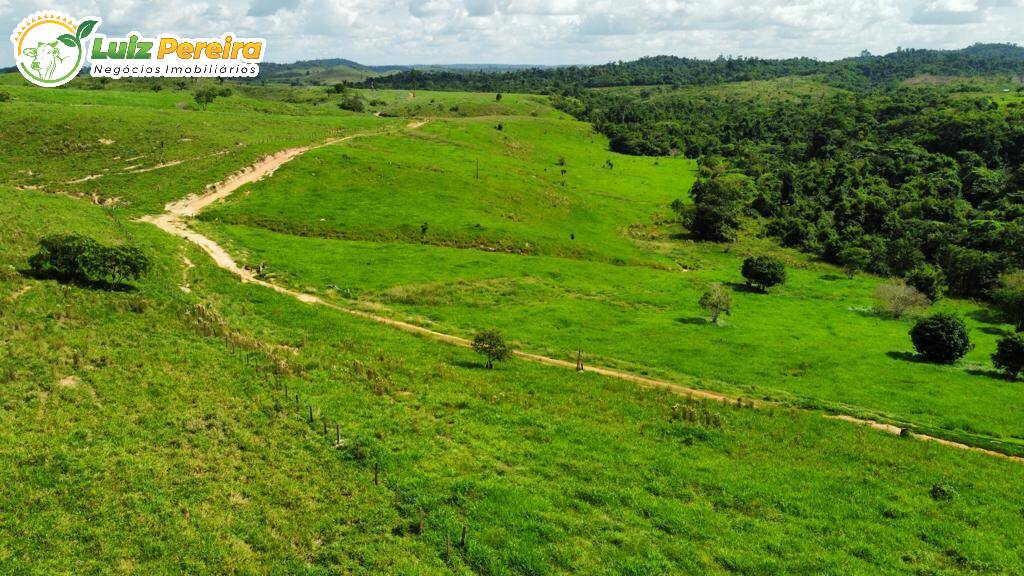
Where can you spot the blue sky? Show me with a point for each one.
(556, 31)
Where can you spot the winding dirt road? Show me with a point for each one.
(174, 222)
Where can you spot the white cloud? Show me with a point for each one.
(556, 31)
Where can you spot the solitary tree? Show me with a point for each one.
(716, 301)
(929, 280)
(497, 97)
(896, 299)
(204, 97)
(1009, 355)
(941, 338)
(491, 345)
(763, 272)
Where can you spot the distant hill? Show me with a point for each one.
(863, 71)
(334, 70)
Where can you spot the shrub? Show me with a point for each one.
(205, 96)
(77, 257)
(941, 338)
(4, 96)
(897, 298)
(942, 492)
(491, 344)
(763, 272)
(717, 301)
(1009, 298)
(1009, 355)
(352, 103)
(929, 280)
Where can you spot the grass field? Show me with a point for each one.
(595, 264)
(149, 431)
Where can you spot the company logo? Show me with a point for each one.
(50, 48)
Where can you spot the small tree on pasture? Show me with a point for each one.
(1009, 355)
(205, 96)
(941, 338)
(716, 300)
(763, 272)
(491, 345)
(897, 299)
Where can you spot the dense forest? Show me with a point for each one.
(863, 71)
(886, 181)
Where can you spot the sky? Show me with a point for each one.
(554, 31)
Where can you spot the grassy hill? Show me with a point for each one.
(196, 424)
(594, 264)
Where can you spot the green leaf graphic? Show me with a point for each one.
(68, 40)
(85, 28)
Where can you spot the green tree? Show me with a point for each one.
(929, 280)
(1009, 298)
(763, 272)
(854, 258)
(353, 103)
(491, 345)
(205, 96)
(941, 338)
(1009, 355)
(77, 257)
(719, 203)
(716, 300)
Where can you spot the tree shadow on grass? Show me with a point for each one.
(907, 357)
(746, 288)
(471, 364)
(986, 316)
(995, 331)
(694, 320)
(833, 277)
(102, 286)
(993, 374)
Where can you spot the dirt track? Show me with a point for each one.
(173, 222)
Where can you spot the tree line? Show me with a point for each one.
(863, 71)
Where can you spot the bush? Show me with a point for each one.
(352, 103)
(1009, 355)
(205, 96)
(941, 338)
(929, 280)
(896, 299)
(77, 257)
(4, 96)
(491, 344)
(716, 301)
(763, 272)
